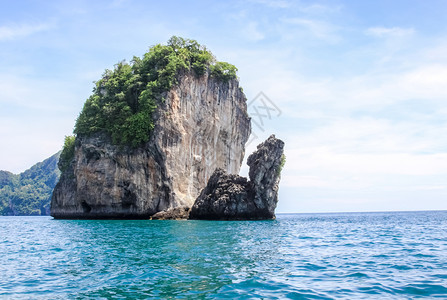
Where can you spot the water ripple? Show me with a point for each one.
(301, 256)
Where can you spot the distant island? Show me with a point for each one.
(29, 193)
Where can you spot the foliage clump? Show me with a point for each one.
(282, 163)
(125, 98)
(67, 153)
(223, 71)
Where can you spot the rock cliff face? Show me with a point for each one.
(232, 197)
(202, 125)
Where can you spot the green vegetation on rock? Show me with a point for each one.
(67, 153)
(29, 193)
(223, 71)
(282, 164)
(125, 98)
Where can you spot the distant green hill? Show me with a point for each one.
(29, 193)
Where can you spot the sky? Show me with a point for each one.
(356, 89)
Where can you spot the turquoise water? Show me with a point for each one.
(300, 256)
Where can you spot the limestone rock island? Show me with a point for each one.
(152, 134)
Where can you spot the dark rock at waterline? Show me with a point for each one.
(232, 197)
(176, 213)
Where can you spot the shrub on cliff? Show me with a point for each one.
(282, 164)
(125, 98)
(223, 71)
(67, 153)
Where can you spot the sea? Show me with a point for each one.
(383, 255)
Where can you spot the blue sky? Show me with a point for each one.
(361, 85)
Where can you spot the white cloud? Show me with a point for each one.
(428, 187)
(366, 154)
(319, 9)
(324, 167)
(361, 164)
(437, 50)
(389, 31)
(28, 140)
(428, 81)
(317, 28)
(374, 89)
(273, 3)
(307, 181)
(421, 81)
(20, 31)
(119, 3)
(34, 112)
(36, 94)
(252, 32)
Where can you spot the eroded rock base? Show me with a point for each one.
(232, 197)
